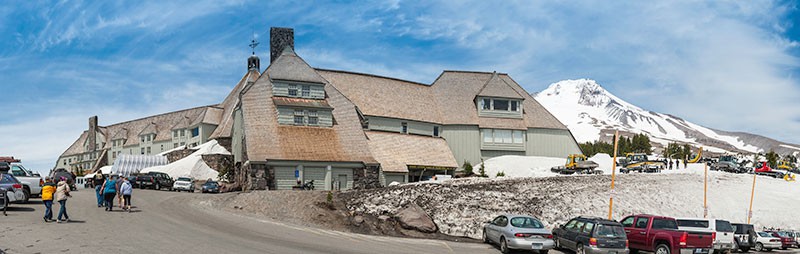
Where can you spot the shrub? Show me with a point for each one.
(483, 169)
(467, 168)
(501, 174)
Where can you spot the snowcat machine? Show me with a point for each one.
(640, 163)
(729, 163)
(577, 163)
(763, 168)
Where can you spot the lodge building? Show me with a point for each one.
(341, 129)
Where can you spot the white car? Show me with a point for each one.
(32, 181)
(519, 232)
(724, 232)
(766, 242)
(183, 184)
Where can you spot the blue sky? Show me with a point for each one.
(730, 65)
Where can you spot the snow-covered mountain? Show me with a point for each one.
(593, 113)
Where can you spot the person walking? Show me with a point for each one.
(126, 190)
(670, 164)
(677, 164)
(685, 163)
(109, 192)
(98, 185)
(48, 189)
(62, 194)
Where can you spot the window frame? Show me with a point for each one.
(305, 91)
(292, 88)
(436, 131)
(404, 127)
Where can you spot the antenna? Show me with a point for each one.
(253, 42)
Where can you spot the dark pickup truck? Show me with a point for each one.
(154, 180)
(660, 234)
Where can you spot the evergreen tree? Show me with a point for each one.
(482, 169)
(467, 168)
(772, 158)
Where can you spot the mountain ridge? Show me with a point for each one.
(593, 113)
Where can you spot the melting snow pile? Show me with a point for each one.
(534, 166)
(193, 165)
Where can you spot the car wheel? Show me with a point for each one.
(557, 242)
(504, 246)
(662, 249)
(759, 247)
(26, 196)
(544, 251)
(783, 248)
(580, 250)
(745, 249)
(485, 237)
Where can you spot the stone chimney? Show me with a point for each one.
(279, 39)
(91, 139)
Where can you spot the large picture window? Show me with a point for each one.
(501, 105)
(488, 104)
(499, 136)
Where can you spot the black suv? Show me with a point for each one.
(744, 236)
(591, 235)
(154, 180)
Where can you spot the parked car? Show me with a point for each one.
(58, 173)
(133, 179)
(660, 234)
(786, 240)
(744, 236)
(183, 184)
(723, 240)
(11, 189)
(31, 183)
(591, 235)
(518, 232)
(210, 187)
(154, 180)
(766, 242)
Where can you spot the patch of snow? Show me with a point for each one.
(790, 147)
(193, 165)
(520, 166)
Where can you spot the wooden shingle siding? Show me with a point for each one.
(551, 143)
(464, 141)
(281, 88)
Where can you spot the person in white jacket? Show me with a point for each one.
(62, 194)
(126, 190)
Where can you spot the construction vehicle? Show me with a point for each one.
(729, 163)
(785, 165)
(639, 162)
(763, 168)
(577, 163)
(698, 156)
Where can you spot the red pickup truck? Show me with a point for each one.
(660, 234)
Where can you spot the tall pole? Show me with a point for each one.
(613, 175)
(752, 194)
(705, 192)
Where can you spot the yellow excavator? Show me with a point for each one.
(577, 163)
(786, 165)
(698, 156)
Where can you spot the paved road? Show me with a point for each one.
(162, 222)
(167, 222)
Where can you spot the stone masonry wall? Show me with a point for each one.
(366, 178)
(179, 154)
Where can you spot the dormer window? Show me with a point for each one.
(306, 91)
(296, 89)
(313, 119)
(500, 107)
(292, 90)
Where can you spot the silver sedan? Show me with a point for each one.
(519, 232)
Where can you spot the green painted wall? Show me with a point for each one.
(550, 143)
(464, 141)
(396, 125)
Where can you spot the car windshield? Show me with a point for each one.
(212, 184)
(609, 231)
(764, 234)
(783, 234)
(526, 222)
(7, 179)
(184, 179)
(693, 223)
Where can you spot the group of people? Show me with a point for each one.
(108, 187)
(58, 192)
(677, 164)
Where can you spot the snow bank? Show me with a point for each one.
(535, 166)
(193, 165)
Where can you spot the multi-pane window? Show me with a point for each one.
(306, 91)
(299, 117)
(142, 150)
(313, 118)
(486, 104)
(148, 150)
(503, 136)
(196, 132)
(174, 134)
(514, 105)
(292, 90)
(499, 105)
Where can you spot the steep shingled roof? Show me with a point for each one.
(395, 151)
(497, 87)
(267, 140)
(289, 66)
(388, 97)
(223, 130)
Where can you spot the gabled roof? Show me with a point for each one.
(184, 123)
(212, 115)
(267, 140)
(497, 87)
(152, 128)
(223, 130)
(395, 151)
(291, 67)
(122, 133)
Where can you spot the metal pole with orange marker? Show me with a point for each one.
(613, 175)
(752, 195)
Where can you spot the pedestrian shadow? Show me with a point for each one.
(76, 221)
(35, 202)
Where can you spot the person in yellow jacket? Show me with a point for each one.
(48, 190)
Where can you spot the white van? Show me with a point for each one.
(723, 240)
